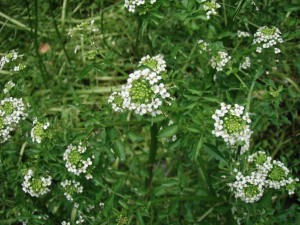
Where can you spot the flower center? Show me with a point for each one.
(260, 159)
(37, 185)
(151, 63)
(233, 124)
(118, 100)
(8, 108)
(141, 92)
(268, 31)
(277, 173)
(251, 190)
(74, 157)
(211, 5)
(39, 131)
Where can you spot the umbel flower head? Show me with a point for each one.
(78, 160)
(144, 92)
(265, 173)
(138, 5)
(233, 125)
(248, 188)
(210, 7)
(219, 61)
(266, 37)
(39, 131)
(71, 187)
(12, 111)
(36, 185)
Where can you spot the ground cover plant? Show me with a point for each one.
(149, 112)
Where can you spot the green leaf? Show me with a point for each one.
(168, 131)
(120, 150)
(214, 152)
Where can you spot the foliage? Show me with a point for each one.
(67, 155)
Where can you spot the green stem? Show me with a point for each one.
(136, 47)
(58, 34)
(152, 156)
(258, 73)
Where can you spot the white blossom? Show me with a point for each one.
(219, 62)
(233, 125)
(78, 161)
(210, 7)
(36, 185)
(266, 37)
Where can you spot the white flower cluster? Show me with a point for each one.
(267, 173)
(242, 34)
(233, 125)
(156, 63)
(77, 160)
(11, 56)
(248, 188)
(38, 131)
(65, 223)
(8, 86)
(36, 185)
(80, 220)
(203, 46)
(132, 5)
(71, 188)
(12, 111)
(266, 37)
(210, 8)
(220, 60)
(246, 64)
(144, 91)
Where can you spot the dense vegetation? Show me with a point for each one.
(149, 112)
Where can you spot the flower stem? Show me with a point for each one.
(152, 156)
(257, 75)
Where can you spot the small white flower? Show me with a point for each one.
(242, 34)
(246, 64)
(36, 185)
(133, 5)
(39, 131)
(71, 187)
(219, 62)
(233, 125)
(210, 7)
(266, 37)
